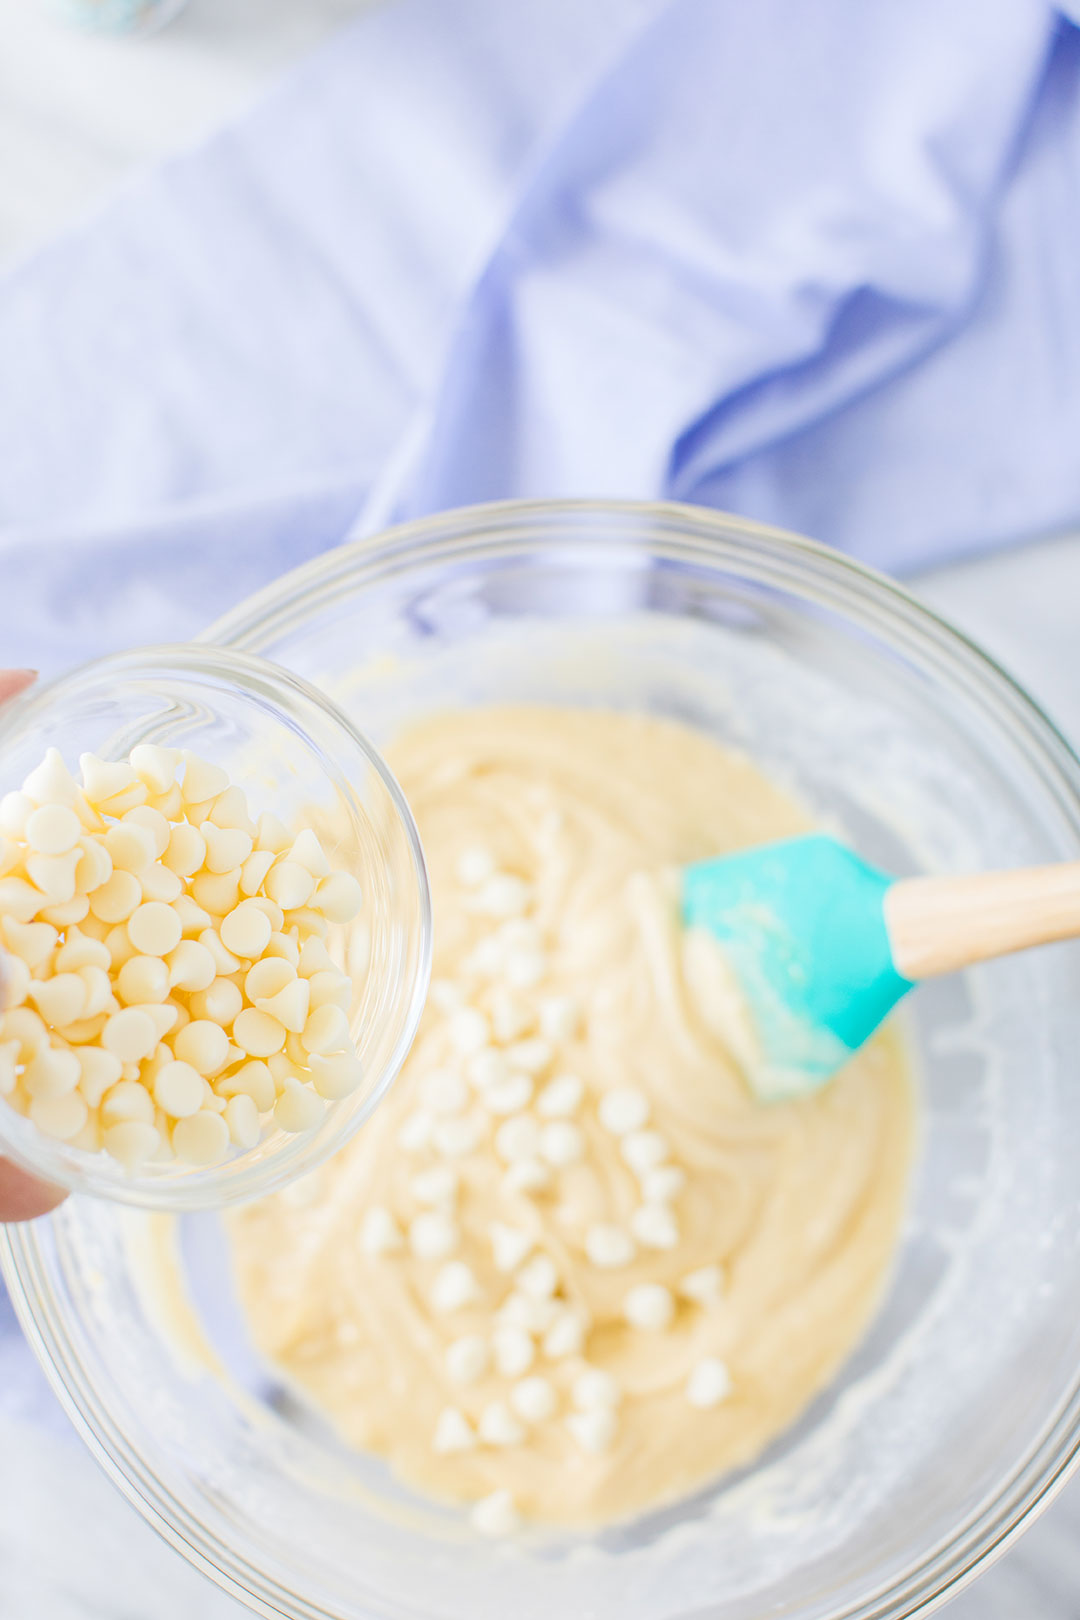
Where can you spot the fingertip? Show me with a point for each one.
(14, 681)
(23, 1197)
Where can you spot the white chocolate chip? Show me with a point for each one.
(298, 1108)
(655, 1226)
(52, 1072)
(379, 1232)
(289, 884)
(267, 977)
(156, 767)
(53, 783)
(447, 995)
(59, 1117)
(331, 986)
(191, 966)
(565, 1336)
(456, 1138)
(178, 1089)
(487, 959)
(203, 1044)
(326, 1030)
(415, 1132)
(53, 829)
(220, 1003)
(511, 1014)
(474, 866)
(59, 1000)
(230, 809)
(509, 1245)
(595, 1430)
(561, 1097)
(202, 780)
(433, 1236)
(271, 834)
(35, 943)
(649, 1306)
(289, 1007)
(452, 1433)
(141, 979)
(527, 1312)
(594, 1389)
(467, 1359)
(525, 1176)
(132, 1142)
(495, 1515)
(531, 1056)
(539, 1279)
(437, 1187)
(703, 1287)
(15, 811)
(513, 1350)
(130, 1035)
(20, 899)
(226, 849)
(559, 1018)
(709, 1383)
(534, 1399)
(509, 1096)
(242, 1118)
(454, 1287)
(125, 1101)
(623, 1109)
(246, 930)
(469, 1031)
(154, 823)
(498, 1426)
(644, 1150)
(518, 1138)
(487, 1068)
(502, 895)
(339, 897)
(562, 1143)
(201, 1138)
(609, 1246)
(257, 1033)
(307, 849)
(662, 1184)
(444, 1092)
(54, 875)
(524, 969)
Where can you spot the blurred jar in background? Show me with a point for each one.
(118, 16)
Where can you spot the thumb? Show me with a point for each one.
(22, 1196)
(13, 681)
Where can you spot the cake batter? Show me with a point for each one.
(570, 1270)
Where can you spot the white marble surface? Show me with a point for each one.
(79, 114)
(77, 117)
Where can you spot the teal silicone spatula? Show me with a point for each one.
(819, 946)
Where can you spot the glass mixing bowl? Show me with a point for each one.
(296, 755)
(958, 1414)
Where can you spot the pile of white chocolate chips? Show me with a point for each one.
(166, 987)
(533, 1134)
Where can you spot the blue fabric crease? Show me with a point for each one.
(817, 265)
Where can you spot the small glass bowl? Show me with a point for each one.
(296, 755)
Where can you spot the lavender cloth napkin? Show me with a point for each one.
(815, 264)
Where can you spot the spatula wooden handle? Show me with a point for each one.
(939, 924)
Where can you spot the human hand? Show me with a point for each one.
(22, 1196)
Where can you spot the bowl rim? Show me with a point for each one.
(768, 556)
